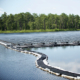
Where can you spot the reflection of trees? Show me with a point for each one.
(43, 47)
(29, 49)
(64, 47)
(50, 47)
(72, 46)
(35, 48)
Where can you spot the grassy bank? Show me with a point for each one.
(41, 30)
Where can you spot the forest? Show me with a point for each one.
(28, 21)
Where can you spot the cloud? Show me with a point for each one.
(70, 66)
(29, 9)
(1, 11)
(54, 8)
(43, 0)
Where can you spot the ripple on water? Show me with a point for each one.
(19, 66)
(68, 36)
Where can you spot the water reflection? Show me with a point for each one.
(19, 66)
(67, 57)
(70, 66)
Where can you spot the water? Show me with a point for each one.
(67, 58)
(22, 38)
(19, 66)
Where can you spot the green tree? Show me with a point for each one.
(28, 21)
(63, 20)
(1, 24)
(51, 21)
(4, 18)
(10, 22)
(71, 21)
(43, 18)
(76, 21)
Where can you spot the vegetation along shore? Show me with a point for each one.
(27, 22)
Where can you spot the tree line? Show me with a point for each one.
(28, 21)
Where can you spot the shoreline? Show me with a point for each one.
(41, 30)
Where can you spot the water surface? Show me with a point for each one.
(19, 66)
(66, 57)
(22, 38)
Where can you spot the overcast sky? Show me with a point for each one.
(40, 6)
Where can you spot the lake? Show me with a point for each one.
(16, 65)
(67, 57)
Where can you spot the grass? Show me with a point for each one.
(41, 30)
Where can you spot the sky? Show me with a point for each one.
(40, 6)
